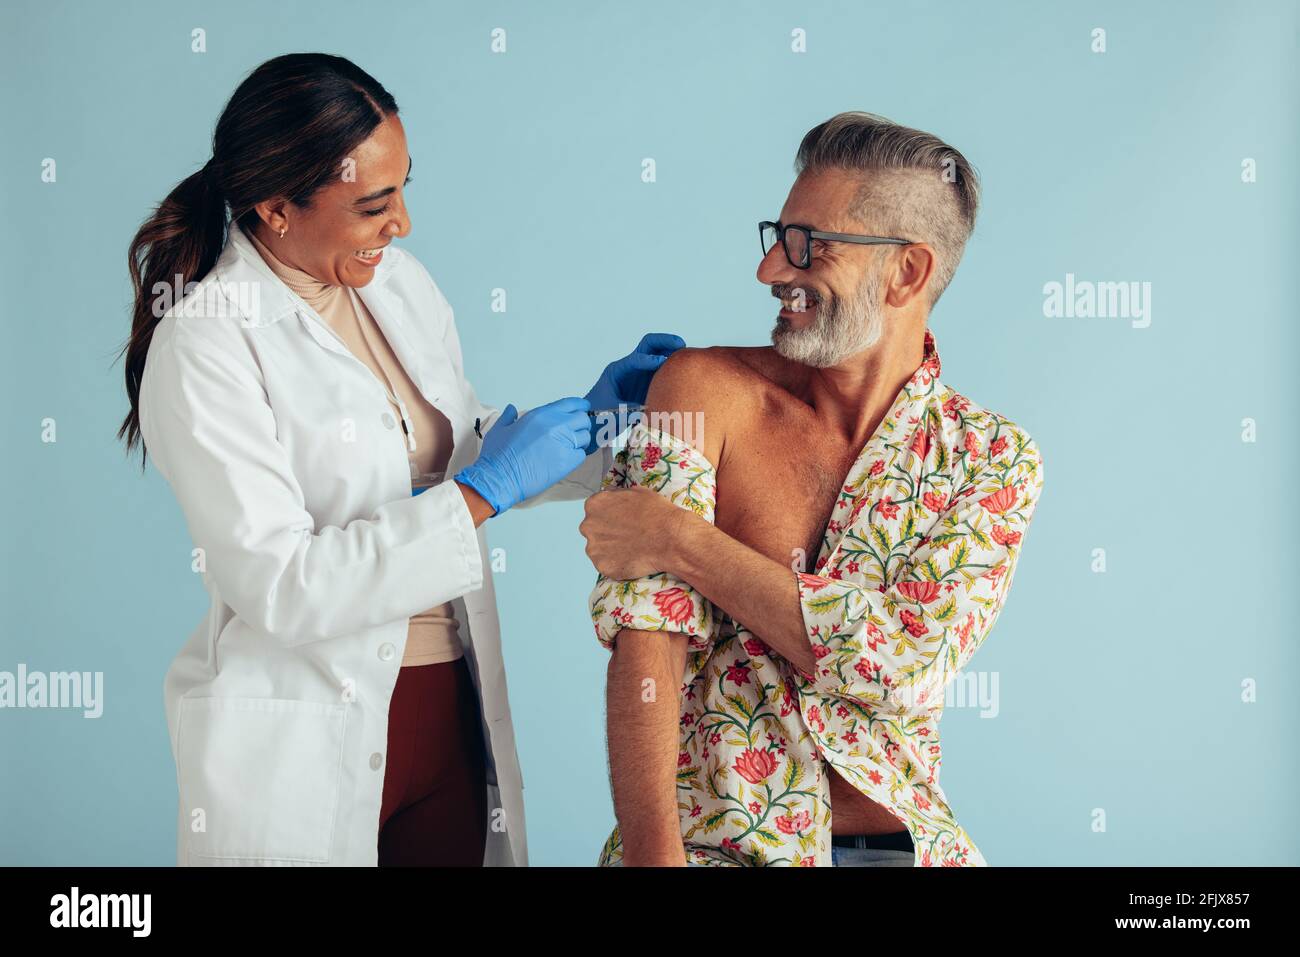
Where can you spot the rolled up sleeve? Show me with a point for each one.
(660, 461)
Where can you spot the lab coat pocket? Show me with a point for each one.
(259, 778)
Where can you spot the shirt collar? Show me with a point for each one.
(928, 370)
(261, 295)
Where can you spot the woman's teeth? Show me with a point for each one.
(369, 253)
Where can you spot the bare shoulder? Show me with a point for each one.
(722, 375)
(722, 387)
(697, 395)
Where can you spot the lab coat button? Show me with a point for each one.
(388, 420)
(376, 760)
(386, 651)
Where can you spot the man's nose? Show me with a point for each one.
(774, 267)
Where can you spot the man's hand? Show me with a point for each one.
(630, 532)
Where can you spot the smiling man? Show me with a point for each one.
(762, 712)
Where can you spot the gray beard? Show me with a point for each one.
(840, 328)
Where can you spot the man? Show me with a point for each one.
(806, 727)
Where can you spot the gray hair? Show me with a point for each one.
(920, 188)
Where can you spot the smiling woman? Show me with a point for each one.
(306, 144)
(344, 701)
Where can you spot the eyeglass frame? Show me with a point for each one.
(819, 234)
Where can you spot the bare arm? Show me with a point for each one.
(760, 593)
(642, 701)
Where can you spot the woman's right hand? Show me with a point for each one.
(523, 456)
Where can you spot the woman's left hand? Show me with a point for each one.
(631, 532)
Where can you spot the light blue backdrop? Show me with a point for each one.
(1119, 691)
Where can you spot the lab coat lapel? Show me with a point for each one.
(389, 311)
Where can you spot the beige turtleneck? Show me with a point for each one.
(432, 636)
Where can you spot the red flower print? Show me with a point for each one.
(998, 446)
(886, 508)
(920, 801)
(683, 759)
(836, 574)
(813, 582)
(965, 627)
(972, 444)
(755, 807)
(651, 457)
(921, 444)
(739, 674)
(864, 669)
(934, 501)
(925, 859)
(955, 405)
(915, 626)
(697, 810)
(850, 737)
(1000, 501)
(1004, 536)
(675, 605)
(809, 861)
(755, 766)
(875, 637)
(815, 718)
(877, 467)
(875, 777)
(820, 651)
(921, 591)
(788, 824)
(729, 845)
(755, 647)
(853, 568)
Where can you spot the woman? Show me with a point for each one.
(344, 701)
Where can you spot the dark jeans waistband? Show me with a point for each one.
(897, 841)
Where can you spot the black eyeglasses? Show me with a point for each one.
(797, 241)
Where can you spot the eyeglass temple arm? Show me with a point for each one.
(851, 238)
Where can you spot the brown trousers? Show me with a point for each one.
(434, 811)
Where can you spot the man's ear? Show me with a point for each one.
(909, 273)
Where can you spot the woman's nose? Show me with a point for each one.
(401, 222)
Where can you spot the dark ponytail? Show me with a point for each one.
(285, 131)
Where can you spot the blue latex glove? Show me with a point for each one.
(523, 456)
(627, 380)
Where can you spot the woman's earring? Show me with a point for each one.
(282, 231)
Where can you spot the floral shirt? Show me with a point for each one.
(914, 567)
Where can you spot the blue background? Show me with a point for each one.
(1118, 691)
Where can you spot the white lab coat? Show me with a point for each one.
(293, 479)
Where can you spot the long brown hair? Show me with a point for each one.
(284, 133)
